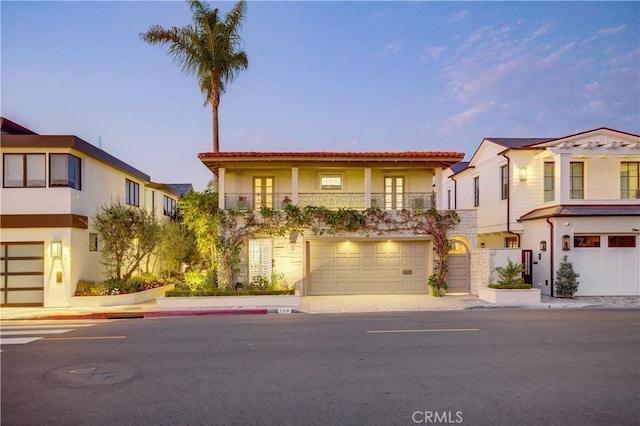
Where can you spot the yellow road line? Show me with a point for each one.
(85, 338)
(434, 330)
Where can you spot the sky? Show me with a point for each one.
(322, 76)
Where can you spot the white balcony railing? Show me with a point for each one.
(334, 201)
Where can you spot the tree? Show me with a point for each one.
(127, 236)
(566, 279)
(199, 213)
(177, 246)
(209, 48)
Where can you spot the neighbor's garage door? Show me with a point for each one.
(354, 267)
(22, 274)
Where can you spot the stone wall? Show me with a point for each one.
(483, 263)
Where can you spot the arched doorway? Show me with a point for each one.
(458, 276)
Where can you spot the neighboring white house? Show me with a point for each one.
(51, 186)
(577, 196)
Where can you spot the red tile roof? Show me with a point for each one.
(340, 155)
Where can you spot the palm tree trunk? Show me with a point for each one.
(216, 142)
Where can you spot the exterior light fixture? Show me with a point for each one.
(543, 246)
(523, 174)
(565, 242)
(481, 245)
(56, 249)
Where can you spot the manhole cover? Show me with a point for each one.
(103, 376)
(98, 374)
(84, 370)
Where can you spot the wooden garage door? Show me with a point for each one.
(22, 274)
(357, 267)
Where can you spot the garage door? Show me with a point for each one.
(358, 267)
(22, 274)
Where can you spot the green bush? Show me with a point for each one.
(114, 286)
(566, 279)
(510, 275)
(85, 288)
(510, 286)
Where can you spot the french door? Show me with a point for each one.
(262, 192)
(393, 192)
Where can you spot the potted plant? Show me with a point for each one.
(285, 202)
(566, 279)
(242, 202)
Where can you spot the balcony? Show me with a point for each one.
(333, 201)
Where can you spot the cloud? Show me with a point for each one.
(468, 115)
(592, 87)
(389, 49)
(537, 33)
(612, 30)
(432, 54)
(555, 56)
(458, 16)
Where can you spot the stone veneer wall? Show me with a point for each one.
(483, 263)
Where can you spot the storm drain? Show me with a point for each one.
(102, 374)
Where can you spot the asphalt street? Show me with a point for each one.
(489, 367)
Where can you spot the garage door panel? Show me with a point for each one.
(367, 267)
(22, 268)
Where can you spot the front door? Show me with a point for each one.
(527, 263)
(262, 192)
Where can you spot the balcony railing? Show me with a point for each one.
(334, 201)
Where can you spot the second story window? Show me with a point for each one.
(549, 182)
(132, 193)
(24, 171)
(263, 187)
(331, 182)
(629, 180)
(169, 206)
(476, 192)
(504, 183)
(64, 170)
(576, 181)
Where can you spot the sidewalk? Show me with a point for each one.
(323, 305)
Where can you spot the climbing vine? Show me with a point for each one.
(237, 225)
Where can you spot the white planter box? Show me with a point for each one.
(509, 297)
(120, 299)
(277, 301)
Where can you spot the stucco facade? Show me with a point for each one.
(35, 208)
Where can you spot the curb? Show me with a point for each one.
(147, 314)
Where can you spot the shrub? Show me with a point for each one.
(85, 288)
(566, 279)
(510, 276)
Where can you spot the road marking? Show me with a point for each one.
(18, 340)
(32, 331)
(85, 338)
(433, 330)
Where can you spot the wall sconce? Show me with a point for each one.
(523, 174)
(481, 245)
(565, 242)
(56, 249)
(543, 246)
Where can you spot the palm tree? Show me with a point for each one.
(209, 48)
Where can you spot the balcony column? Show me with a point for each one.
(437, 187)
(563, 178)
(221, 173)
(294, 186)
(367, 187)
